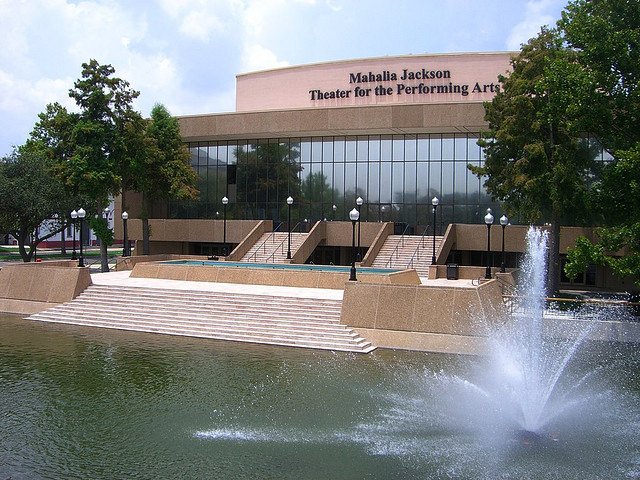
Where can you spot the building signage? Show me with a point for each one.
(406, 81)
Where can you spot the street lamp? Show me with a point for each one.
(125, 241)
(359, 203)
(504, 221)
(354, 215)
(105, 215)
(81, 215)
(435, 202)
(488, 219)
(289, 203)
(74, 218)
(334, 208)
(225, 202)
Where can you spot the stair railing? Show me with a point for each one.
(415, 257)
(272, 258)
(262, 248)
(396, 250)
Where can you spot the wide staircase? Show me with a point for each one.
(277, 320)
(407, 251)
(272, 247)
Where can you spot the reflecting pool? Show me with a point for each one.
(89, 403)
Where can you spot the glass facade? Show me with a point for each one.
(396, 175)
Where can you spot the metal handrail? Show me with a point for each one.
(263, 245)
(395, 250)
(416, 252)
(514, 305)
(507, 287)
(272, 257)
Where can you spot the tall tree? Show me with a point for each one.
(605, 35)
(93, 149)
(161, 168)
(537, 161)
(100, 135)
(32, 201)
(620, 190)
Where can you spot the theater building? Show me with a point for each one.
(394, 131)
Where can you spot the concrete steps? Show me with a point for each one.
(272, 247)
(407, 251)
(277, 320)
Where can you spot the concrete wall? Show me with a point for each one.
(264, 276)
(250, 239)
(127, 263)
(384, 231)
(372, 120)
(188, 230)
(316, 235)
(32, 287)
(421, 308)
(474, 237)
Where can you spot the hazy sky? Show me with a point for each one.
(185, 53)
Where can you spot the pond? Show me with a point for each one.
(89, 403)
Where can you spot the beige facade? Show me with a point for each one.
(418, 96)
(284, 102)
(403, 80)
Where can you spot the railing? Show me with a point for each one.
(508, 288)
(584, 309)
(416, 253)
(262, 248)
(395, 250)
(272, 258)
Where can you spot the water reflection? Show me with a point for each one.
(87, 403)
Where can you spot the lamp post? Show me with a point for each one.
(359, 203)
(125, 241)
(488, 219)
(435, 202)
(504, 221)
(289, 203)
(334, 208)
(74, 218)
(35, 242)
(354, 215)
(81, 215)
(105, 214)
(225, 202)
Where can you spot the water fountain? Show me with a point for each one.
(525, 366)
(527, 409)
(128, 405)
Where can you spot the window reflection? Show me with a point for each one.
(396, 175)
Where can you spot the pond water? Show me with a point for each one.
(305, 267)
(90, 403)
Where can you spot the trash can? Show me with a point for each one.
(452, 271)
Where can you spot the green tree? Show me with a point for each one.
(618, 245)
(92, 149)
(108, 148)
(161, 168)
(605, 35)
(31, 200)
(537, 162)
